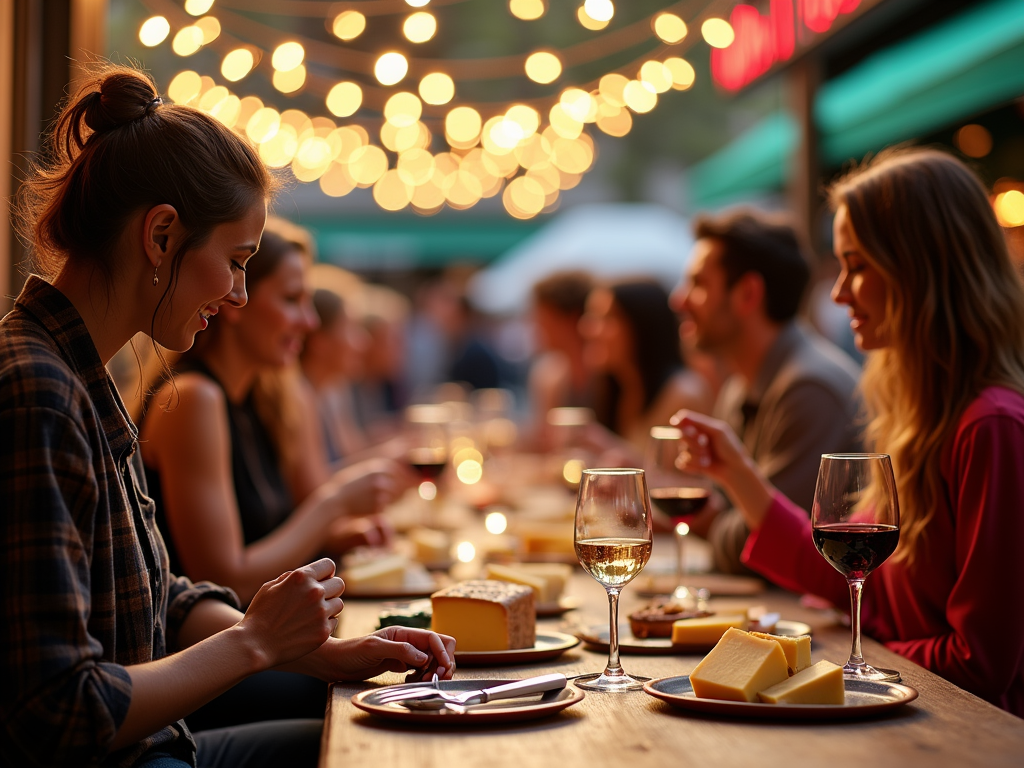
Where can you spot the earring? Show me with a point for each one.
(156, 280)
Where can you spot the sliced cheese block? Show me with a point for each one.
(547, 538)
(518, 576)
(547, 580)
(376, 575)
(739, 667)
(821, 683)
(797, 650)
(430, 546)
(705, 630)
(486, 615)
(556, 575)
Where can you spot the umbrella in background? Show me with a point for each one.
(608, 240)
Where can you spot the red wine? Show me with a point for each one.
(679, 503)
(427, 462)
(856, 549)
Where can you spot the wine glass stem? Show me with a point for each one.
(856, 588)
(614, 669)
(680, 557)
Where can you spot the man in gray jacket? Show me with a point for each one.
(792, 394)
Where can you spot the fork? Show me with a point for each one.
(516, 688)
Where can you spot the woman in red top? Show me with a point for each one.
(936, 302)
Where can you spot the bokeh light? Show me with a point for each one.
(419, 27)
(543, 67)
(237, 64)
(973, 140)
(154, 31)
(527, 10)
(495, 523)
(682, 71)
(669, 27)
(288, 56)
(344, 99)
(336, 182)
(639, 97)
(611, 87)
(1009, 208)
(348, 25)
(391, 193)
(198, 7)
(367, 164)
(437, 88)
(210, 28)
(656, 76)
(291, 80)
(463, 125)
(587, 21)
(187, 41)
(599, 10)
(718, 33)
(185, 87)
(391, 68)
(263, 125)
(403, 109)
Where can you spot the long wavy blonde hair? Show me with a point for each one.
(954, 316)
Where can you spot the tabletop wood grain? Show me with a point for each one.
(945, 726)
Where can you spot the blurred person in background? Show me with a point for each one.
(632, 348)
(332, 357)
(559, 376)
(234, 457)
(380, 393)
(934, 300)
(792, 395)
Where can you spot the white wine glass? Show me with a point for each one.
(613, 543)
(856, 526)
(678, 495)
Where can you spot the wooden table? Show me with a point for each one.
(945, 726)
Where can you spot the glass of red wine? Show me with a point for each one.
(856, 522)
(427, 451)
(678, 495)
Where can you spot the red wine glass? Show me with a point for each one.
(678, 495)
(856, 526)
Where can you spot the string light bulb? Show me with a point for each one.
(543, 67)
(197, 7)
(588, 22)
(437, 88)
(154, 31)
(527, 10)
(210, 28)
(718, 33)
(599, 10)
(391, 68)
(669, 27)
(419, 27)
(348, 25)
(288, 56)
(237, 64)
(187, 41)
(344, 99)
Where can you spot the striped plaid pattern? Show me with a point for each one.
(86, 590)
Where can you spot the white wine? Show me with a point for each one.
(613, 562)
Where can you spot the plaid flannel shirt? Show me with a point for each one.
(86, 590)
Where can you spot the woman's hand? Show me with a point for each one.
(345, 534)
(391, 649)
(294, 614)
(367, 487)
(712, 449)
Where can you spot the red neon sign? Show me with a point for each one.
(763, 41)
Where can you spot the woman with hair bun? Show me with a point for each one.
(143, 218)
(938, 306)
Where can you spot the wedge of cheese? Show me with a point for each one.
(739, 667)
(377, 575)
(705, 630)
(547, 538)
(797, 650)
(430, 546)
(547, 580)
(486, 615)
(820, 683)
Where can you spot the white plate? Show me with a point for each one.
(549, 645)
(596, 638)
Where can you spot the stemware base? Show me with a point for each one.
(610, 683)
(874, 674)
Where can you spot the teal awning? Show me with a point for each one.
(952, 70)
(404, 242)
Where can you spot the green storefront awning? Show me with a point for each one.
(954, 69)
(406, 242)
